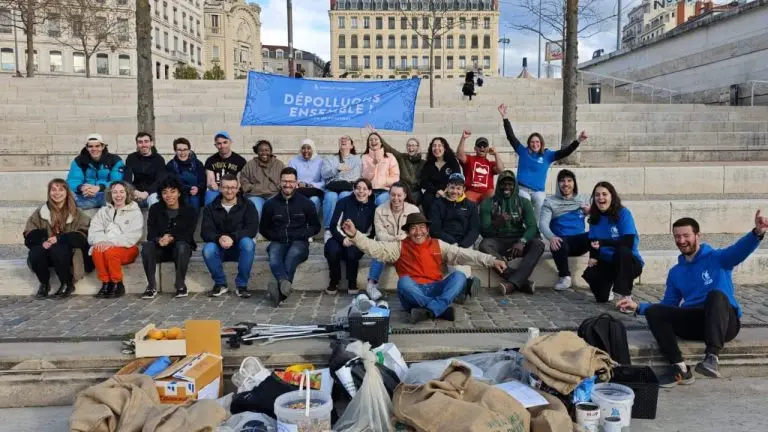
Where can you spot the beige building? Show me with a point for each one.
(233, 36)
(177, 36)
(386, 38)
(652, 18)
(275, 60)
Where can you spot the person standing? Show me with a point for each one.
(289, 219)
(221, 163)
(190, 172)
(92, 171)
(562, 224)
(229, 225)
(699, 302)
(440, 164)
(360, 209)
(478, 169)
(614, 255)
(534, 161)
(144, 170)
(260, 179)
(308, 167)
(170, 237)
(57, 236)
(339, 172)
(379, 167)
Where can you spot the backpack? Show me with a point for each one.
(607, 333)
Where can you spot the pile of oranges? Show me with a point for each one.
(166, 334)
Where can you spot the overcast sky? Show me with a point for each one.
(311, 29)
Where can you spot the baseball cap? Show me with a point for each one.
(456, 178)
(481, 142)
(95, 137)
(222, 134)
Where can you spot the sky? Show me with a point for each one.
(311, 30)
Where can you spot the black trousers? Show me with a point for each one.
(427, 199)
(335, 252)
(177, 252)
(575, 245)
(416, 196)
(716, 323)
(499, 248)
(58, 256)
(619, 273)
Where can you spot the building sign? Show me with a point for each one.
(553, 51)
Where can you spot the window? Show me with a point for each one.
(123, 30)
(342, 41)
(391, 62)
(7, 63)
(175, 14)
(215, 21)
(166, 45)
(425, 62)
(199, 56)
(279, 53)
(125, 65)
(414, 62)
(165, 15)
(342, 62)
(438, 62)
(5, 21)
(449, 62)
(26, 53)
(366, 41)
(487, 23)
(414, 23)
(438, 22)
(474, 62)
(102, 64)
(379, 62)
(462, 23)
(157, 8)
(438, 41)
(486, 62)
(157, 38)
(354, 22)
(176, 43)
(474, 23)
(403, 41)
(191, 53)
(462, 41)
(403, 62)
(403, 23)
(78, 62)
(414, 41)
(379, 23)
(353, 43)
(354, 63)
(184, 46)
(54, 26)
(54, 58)
(391, 41)
(215, 53)
(425, 41)
(296, 54)
(462, 62)
(367, 62)
(341, 22)
(366, 22)
(474, 41)
(425, 23)
(486, 41)
(449, 22)
(183, 19)
(391, 23)
(449, 41)
(379, 42)
(265, 53)
(191, 23)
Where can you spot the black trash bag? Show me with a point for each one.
(261, 399)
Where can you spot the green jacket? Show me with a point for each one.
(511, 217)
(410, 166)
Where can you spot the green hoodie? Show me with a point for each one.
(520, 217)
(410, 166)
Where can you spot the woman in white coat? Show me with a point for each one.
(114, 234)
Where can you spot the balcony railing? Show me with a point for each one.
(180, 56)
(215, 30)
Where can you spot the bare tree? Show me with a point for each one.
(570, 64)
(31, 15)
(89, 26)
(145, 99)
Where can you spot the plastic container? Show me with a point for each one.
(295, 419)
(374, 330)
(644, 382)
(614, 400)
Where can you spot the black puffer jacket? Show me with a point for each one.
(241, 221)
(145, 172)
(182, 228)
(455, 222)
(285, 220)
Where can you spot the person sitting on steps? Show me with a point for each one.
(562, 224)
(699, 302)
(260, 178)
(419, 260)
(224, 161)
(190, 172)
(92, 171)
(478, 169)
(509, 230)
(144, 170)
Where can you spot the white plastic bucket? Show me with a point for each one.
(614, 400)
(295, 420)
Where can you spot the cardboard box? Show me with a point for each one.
(200, 336)
(192, 378)
(158, 348)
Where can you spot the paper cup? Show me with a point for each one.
(588, 416)
(612, 424)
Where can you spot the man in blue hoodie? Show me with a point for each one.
(92, 171)
(699, 303)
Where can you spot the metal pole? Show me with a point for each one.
(618, 27)
(538, 74)
(752, 98)
(16, 43)
(504, 57)
(291, 65)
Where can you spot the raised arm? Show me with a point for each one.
(461, 155)
(567, 151)
(508, 128)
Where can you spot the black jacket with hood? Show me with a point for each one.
(145, 172)
(455, 222)
(286, 220)
(182, 228)
(241, 221)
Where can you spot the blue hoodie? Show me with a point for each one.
(688, 283)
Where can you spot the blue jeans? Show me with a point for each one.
(211, 195)
(329, 204)
(258, 202)
(377, 267)
(149, 202)
(95, 201)
(284, 258)
(316, 201)
(243, 252)
(436, 296)
(381, 197)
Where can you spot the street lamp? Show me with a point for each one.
(504, 41)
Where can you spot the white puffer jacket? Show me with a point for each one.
(122, 227)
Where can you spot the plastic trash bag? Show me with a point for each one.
(421, 373)
(249, 422)
(498, 367)
(371, 408)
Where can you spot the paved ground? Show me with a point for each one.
(707, 406)
(27, 318)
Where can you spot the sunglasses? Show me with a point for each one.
(481, 145)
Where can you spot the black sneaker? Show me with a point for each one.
(676, 376)
(218, 291)
(527, 287)
(333, 288)
(242, 292)
(273, 292)
(709, 366)
(471, 289)
(449, 314)
(420, 314)
(60, 292)
(181, 292)
(106, 287)
(149, 293)
(118, 290)
(42, 291)
(69, 289)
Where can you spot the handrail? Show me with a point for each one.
(616, 80)
(752, 91)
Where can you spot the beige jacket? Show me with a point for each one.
(389, 252)
(261, 180)
(120, 227)
(389, 227)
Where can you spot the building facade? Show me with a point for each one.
(392, 38)
(233, 37)
(177, 36)
(275, 60)
(653, 18)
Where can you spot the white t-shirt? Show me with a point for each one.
(227, 207)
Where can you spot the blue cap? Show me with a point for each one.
(456, 178)
(223, 134)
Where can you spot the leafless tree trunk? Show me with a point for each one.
(570, 64)
(30, 48)
(145, 110)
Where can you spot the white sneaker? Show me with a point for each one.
(310, 240)
(372, 289)
(327, 235)
(563, 284)
(611, 296)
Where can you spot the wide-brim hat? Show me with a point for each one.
(415, 219)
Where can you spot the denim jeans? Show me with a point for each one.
(211, 195)
(436, 296)
(151, 200)
(85, 203)
(316, 201)
(284, 258)
(243, 252)
(329, 204)
(381, 197)
(258, 202)
(377, 268)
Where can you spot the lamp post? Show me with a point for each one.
(538, 65)
(291, 71)
(504, 41)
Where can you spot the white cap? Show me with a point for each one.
(95, 137)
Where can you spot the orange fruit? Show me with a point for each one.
(156, 334)
(173, 333)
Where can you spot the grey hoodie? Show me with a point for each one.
(557, 205)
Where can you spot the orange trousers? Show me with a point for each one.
(478, 197)
(109, 262)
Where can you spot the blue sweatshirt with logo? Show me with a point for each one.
(612, 233)
(689, 282)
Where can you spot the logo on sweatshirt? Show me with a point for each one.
(706, 278)
(614, 232)
(540, 160)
